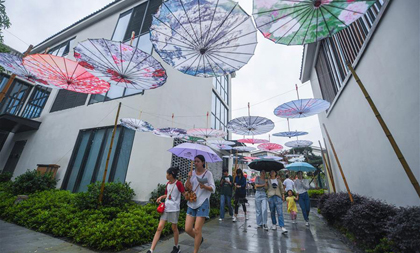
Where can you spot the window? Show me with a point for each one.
(113, 93)
(3, 81)
(87, 164)
(344, 46)
(37, 102)
(221, 85)
(68, 99)
(219, 113)
(15, 98)
(63, 49)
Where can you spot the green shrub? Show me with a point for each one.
(315, 193)
(156, 193)
(115, 195)
(32, 181)
(5, 177)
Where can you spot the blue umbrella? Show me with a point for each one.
(300, 166)
(290, 134)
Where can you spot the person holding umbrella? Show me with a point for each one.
(275, 195)
(261, 200)
(226, 184)
(302, 187)
(240, 193)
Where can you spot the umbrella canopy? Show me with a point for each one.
(266, 165)
(300, 166)
(120, 64)
(270, 147)
(206, 133)
(191, 150)
(298, 144)
(250, 158)
(243, 149)
(250, 125)
(292, 155)
(297, 159)
(275, 158)
(252, 141)
(220, 146)
(14, 64)
(193, 139)
(290, 134)
(170, 132)
(301, 108)
(64, 73)
(137, 125)
(220, 142)
(300, 22)
(203, 38)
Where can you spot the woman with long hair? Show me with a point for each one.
(240, 193)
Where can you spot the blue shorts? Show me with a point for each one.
(202, 211)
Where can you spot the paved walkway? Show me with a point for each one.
(220, 236)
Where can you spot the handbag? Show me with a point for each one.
(161, 207)
(192, 196)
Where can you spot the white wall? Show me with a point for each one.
(389, 70)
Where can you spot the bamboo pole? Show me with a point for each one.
(12, 77)
(388, 134)
(339, 165)
(327, 168)
(109, 154)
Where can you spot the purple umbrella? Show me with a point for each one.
(191, 150)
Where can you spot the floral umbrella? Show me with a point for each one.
(270, 147)
(64, 73)
(301, 108)
(191, 150)
(193, 139)
(297, 22)
(170, 132)
(290, 134)
(203, 38)
(252, 141)
(14, 64)
(220, 146)
(298, 144)
(137, 125)
(220, 142)
(206, 133)
(275, 158)
(243, 149)
(251, 158)
(250, 125)
(120, 64)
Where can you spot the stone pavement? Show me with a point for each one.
(219, 236)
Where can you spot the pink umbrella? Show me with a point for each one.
(250, 158)
(253, 141)
(270, 147)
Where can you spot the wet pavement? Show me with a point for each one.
(219, 236)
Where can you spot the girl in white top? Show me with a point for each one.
(174, 190)
(201, 182)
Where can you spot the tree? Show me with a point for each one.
(4, 24)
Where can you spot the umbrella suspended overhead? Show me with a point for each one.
(244, 149)
(250, 158)
(275, 158)
(270, 147)
(250, 125)
(220, 147)
(292, 155)
(14, 64)
(137, 125)
(301, 108)
(266, 165)
(220, 142)
(290, 134)
(170, 132)
(193, 139)
(300, 166)
(297, 22)
(120, 64)
(64, 73)
(191, 150)
(206, 133)
(298, 144)
(203, 38)
(252, 141)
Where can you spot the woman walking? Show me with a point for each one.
(240, 193)
(302, 187)
(275, 195)
(261, 200)
(226, 185)
(174, 190)
(201, 183)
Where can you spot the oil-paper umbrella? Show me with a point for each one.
(244, 149)
(220, 147)
(290, 134)
(275, 158)
(137, 125)
(253, 141)
(301, 108)
(270, 147)
(193, 139)
(250, 125)
(14, 64)
(64, 73)
(297, 22)
(170, 132)
(203, 38)
(298, 144)
(191, 150)
(206, 133)
(120, 64)
(220, 142)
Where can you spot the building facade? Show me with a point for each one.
(383, 47)
(73, 130)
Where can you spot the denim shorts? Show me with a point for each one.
(202, 211)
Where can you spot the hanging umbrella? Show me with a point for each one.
(250, 158)
(137, 125)
(231, 156)
(252, 141)
(120, 64)
(290, 134)
(220, 142)
(219, 147)
(297, 22)
(270, 147)
(170, 132)
(251, 125)
(292, 155)
(206, 133)
(301, 108)
(275, 158)
(300, 166)
(64, 73)
(297, 159)
(243, 149)
(193, 139)
(203, 38)
(191, 150)
(298, 144)
(14, 64)
(266, 165)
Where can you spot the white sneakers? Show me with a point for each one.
(233, 219)
(220, 219)
(274, 227)
(246, 217)
(307, 224)
(283, 230)
(265, 227)
(294, 222)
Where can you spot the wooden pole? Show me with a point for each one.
(12, 77)
(388, 134)
(109, 154)
(338, 163)
(327, 167)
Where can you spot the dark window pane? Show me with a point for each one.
(36, 103)
(153, 6)
(81, 149)
(135, 21)
(121, 27)
(68, 99)
(105, 155)
(124, 156)
(15, 98)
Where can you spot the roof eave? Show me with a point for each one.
(307, 61)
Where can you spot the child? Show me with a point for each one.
(174, 190)
(291, 205)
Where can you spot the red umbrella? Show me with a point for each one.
(64, 73)
(270, 147)
(253, 141)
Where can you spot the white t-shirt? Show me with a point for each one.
(290, 185)
(202, 194)
(274, 181)
(173, 196)
(301, 185)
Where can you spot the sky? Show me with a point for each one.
(267, 81)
